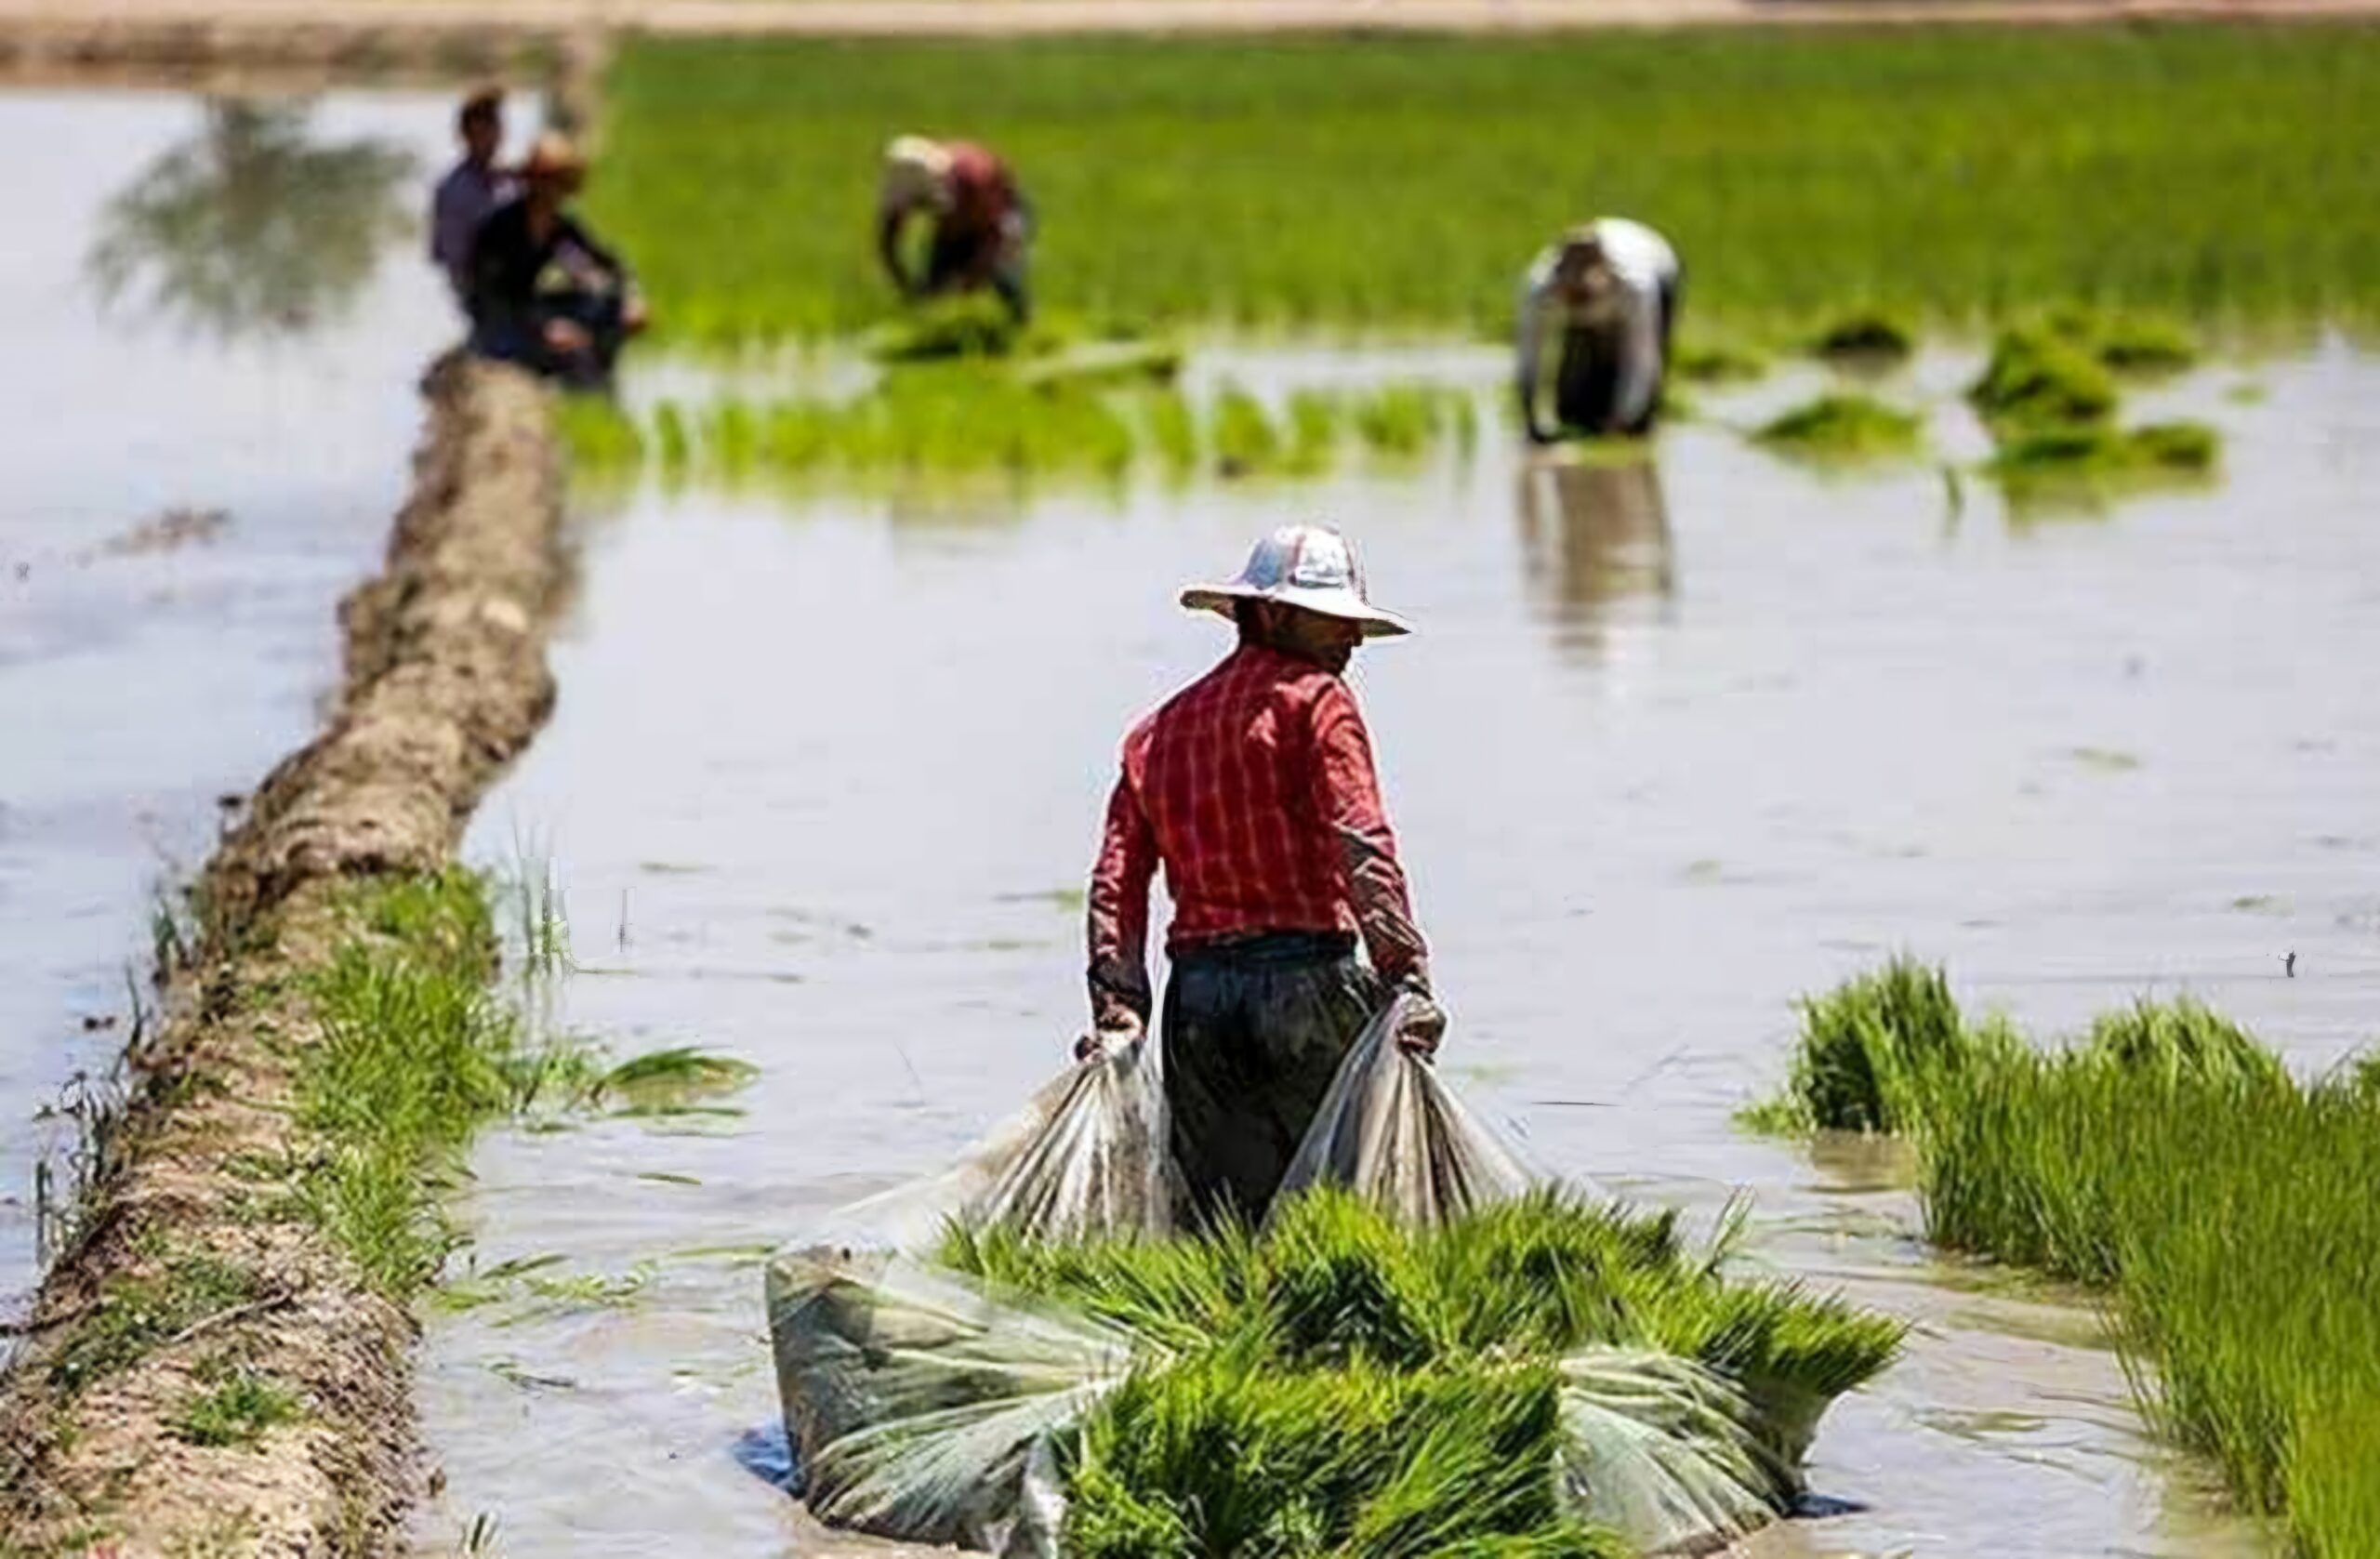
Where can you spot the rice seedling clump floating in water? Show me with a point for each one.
(1844, 426)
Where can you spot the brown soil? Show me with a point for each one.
(445, 682)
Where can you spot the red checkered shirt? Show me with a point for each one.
(1256, 789)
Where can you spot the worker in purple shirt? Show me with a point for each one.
(471, 191)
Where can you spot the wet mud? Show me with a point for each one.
(445, 682)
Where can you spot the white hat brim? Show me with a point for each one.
(1376, 622)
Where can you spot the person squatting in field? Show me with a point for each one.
(1254, 789)
(544, 293)
(1611, 287)
(471, 190)
(982, 223)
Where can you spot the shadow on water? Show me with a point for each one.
(253, 226)
(1595, 540)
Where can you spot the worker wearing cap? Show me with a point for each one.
(544, 293)
(982, 223)
(1254, 789)
(1611, 287)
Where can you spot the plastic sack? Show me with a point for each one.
(919, 1409)
(1391, 1131)
(1666, 1451)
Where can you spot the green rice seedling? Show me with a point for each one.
(1245, 440)
(238, 1408)
(673, 1077)
(1172, 430)
(1315, 420)
(1181, 1294)
(672, 448)
(1226, 1456)
(1398, 420)
(2169, 1160)
(414, 1054)
(601, 440)
(2039, 465)
(2037, 378)
(2178, 1040)
(1872, 1048)
(1865, 335)
(1943, 175)
(1839, 427)
(973, 326)
(1700, 362)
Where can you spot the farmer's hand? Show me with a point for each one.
(1424, 1024)
(1112, 1033)
(633, 317)
(567, 336)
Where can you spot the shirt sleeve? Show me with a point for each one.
(1347, 795)
(1640, 354)
(1118, 917)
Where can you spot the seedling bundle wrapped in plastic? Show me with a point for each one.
(1423, 1351)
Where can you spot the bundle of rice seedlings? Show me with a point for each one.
(1698, 362)
(1340, 1384)
(1871, 1050)
(2037, 377)
(2182, 1040)
(1227, 1455)
(1866, 335)
(2129, 343)
(1839, 427)
(971, 325)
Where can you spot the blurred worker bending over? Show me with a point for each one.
(981, 224)
(543, 292)
(1611, 288)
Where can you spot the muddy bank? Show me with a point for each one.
(191, 1249)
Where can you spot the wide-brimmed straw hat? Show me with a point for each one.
(1309, 566)
(553, 155)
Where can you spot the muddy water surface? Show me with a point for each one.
(214, 326)
(1677, 742)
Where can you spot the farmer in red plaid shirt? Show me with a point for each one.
(1253, 787)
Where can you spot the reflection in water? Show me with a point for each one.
(250, 227)
(1595, 534)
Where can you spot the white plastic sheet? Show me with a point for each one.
(1392, 1133)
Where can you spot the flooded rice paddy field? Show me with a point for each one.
(208, 407)
(1678, 742)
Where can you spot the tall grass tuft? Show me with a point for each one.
(414, 1054)
(2171, 1160)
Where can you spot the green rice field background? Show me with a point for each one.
(1385, 185)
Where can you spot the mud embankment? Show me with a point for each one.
(190, 1255)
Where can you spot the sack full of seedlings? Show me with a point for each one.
(1423, 1349)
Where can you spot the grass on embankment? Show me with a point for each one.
(2169, 1158)
(1932, 175)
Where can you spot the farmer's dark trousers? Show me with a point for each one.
(1586, 385)
(1253, 1032)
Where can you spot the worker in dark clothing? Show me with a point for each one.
(982, 223)
(471, 191)
(1254, 789)
(544, 293)
(1612, 289)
